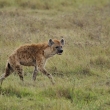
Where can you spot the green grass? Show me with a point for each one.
(82, 73)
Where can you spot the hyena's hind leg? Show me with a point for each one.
(8, 71)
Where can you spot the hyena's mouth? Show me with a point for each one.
(59, 53)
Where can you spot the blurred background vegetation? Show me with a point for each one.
(50, 4)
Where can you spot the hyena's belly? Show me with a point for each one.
(27, 62)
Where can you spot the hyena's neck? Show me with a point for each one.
(44, 49)
(48, 52)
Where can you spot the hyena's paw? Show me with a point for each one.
(53, 82)
(1, 80)
(34, 78)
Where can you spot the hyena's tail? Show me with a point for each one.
(8, 71)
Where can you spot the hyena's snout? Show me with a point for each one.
(59, 51)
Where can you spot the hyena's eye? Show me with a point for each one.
(56, 47)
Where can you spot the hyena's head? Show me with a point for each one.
(55, 47)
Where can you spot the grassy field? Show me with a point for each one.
(82, 73)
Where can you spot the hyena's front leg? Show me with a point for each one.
(47, 74)
(41, 64)
(35, 73)
(19, 71)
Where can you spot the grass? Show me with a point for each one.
(81, 74)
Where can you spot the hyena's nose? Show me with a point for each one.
(60, 51)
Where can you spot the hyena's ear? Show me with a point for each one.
(62, 41)
(50, 43)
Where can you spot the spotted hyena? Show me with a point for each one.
(33, 55)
